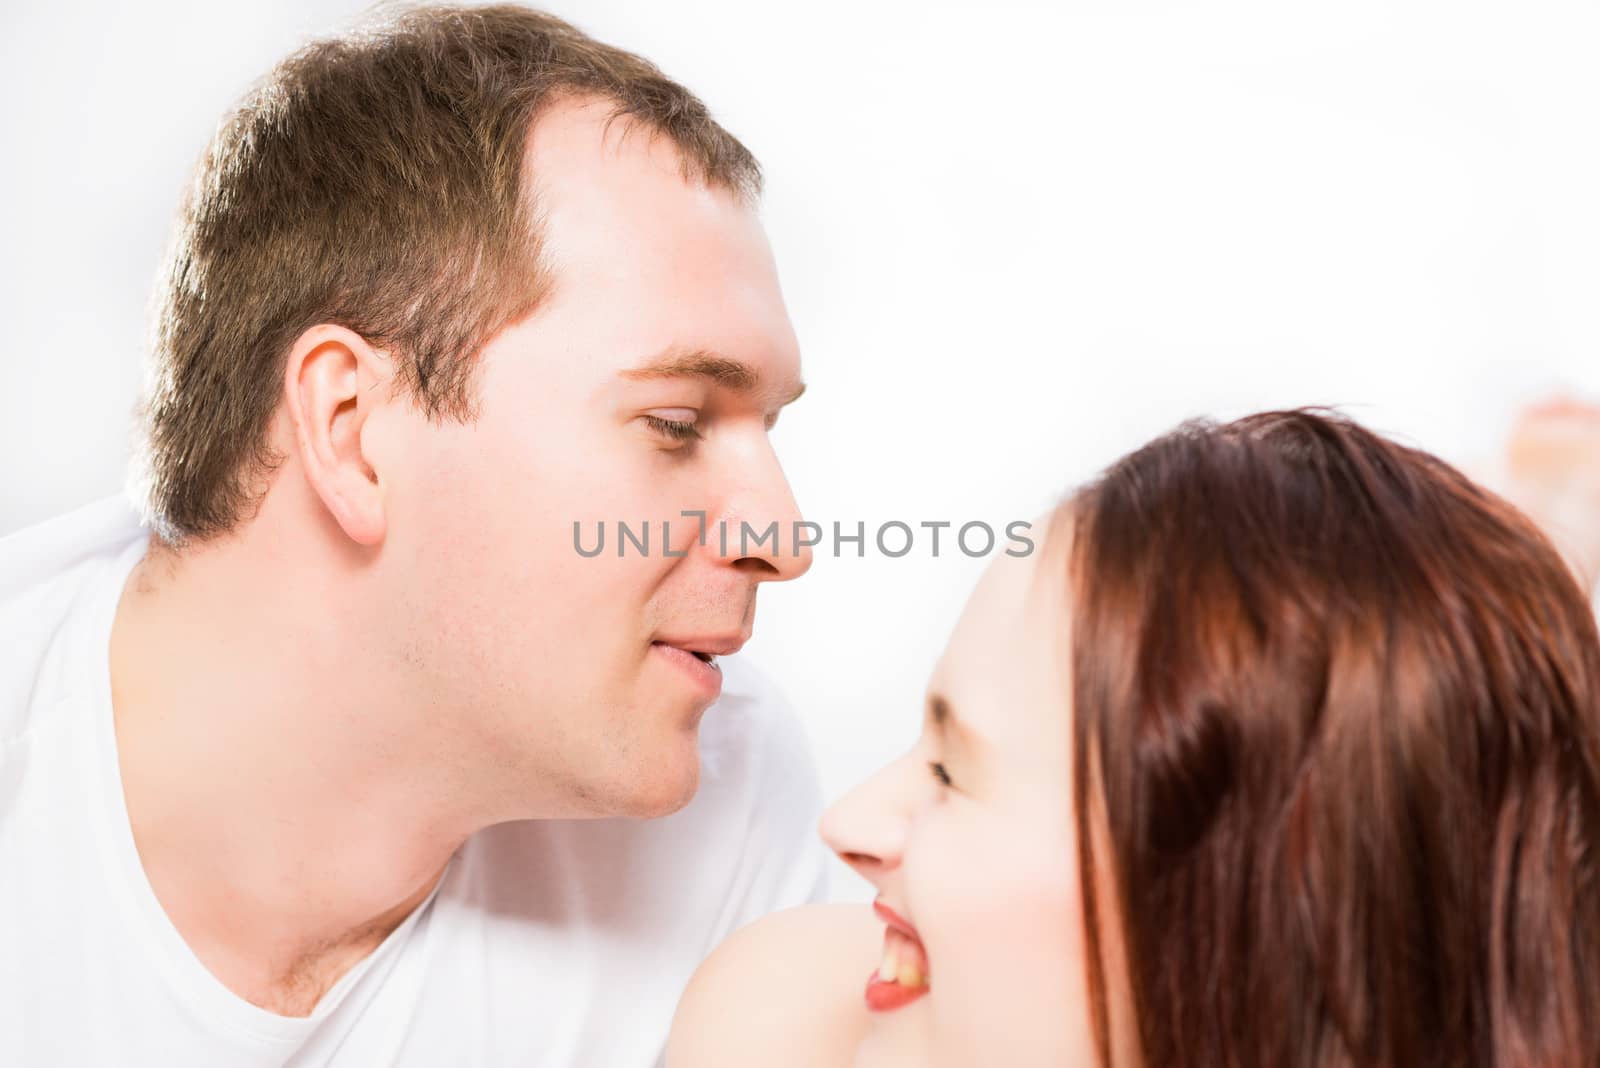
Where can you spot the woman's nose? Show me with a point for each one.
(867, 827)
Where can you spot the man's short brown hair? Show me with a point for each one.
(375, 181)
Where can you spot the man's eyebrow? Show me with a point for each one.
(700, 363)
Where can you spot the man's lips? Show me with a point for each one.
(902, 976)
(712, 645)
(695, 659)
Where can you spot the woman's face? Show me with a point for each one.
(970, 839)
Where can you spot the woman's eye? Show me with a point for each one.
(940, 773)
(675, 423)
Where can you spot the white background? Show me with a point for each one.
(1016, 242)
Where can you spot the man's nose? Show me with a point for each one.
(761, 530)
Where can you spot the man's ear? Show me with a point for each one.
(329, 395)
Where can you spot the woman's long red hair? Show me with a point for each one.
(1342, 706)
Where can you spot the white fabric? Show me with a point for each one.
(546, 942)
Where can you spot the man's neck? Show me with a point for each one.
(287, 809)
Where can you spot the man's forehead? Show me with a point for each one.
(622, 226)
(610, 197)
(582, 138)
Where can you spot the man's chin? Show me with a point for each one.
(661, 792)
(661, 783)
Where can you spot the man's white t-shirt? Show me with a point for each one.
(546, 942)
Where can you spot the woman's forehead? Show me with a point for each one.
(1004, 672)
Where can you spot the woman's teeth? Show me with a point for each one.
(901, 977)
(899, 964)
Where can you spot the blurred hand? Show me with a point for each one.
(1552, 472)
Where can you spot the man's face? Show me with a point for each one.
(556, 670)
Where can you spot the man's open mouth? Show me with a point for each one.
(699, 654)
(695, 665)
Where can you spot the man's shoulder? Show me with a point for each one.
(759, 782)
(43, 558)
(752, 731)
(47, 572)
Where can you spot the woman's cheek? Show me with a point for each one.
(998, 906)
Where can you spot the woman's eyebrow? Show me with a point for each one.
(942, 714)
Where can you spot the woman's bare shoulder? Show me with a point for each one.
(784, 991)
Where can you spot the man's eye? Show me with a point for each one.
(676, 429)
(940, 773)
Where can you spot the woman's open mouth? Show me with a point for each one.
(902, 976)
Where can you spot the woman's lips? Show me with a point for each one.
(902, 976)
